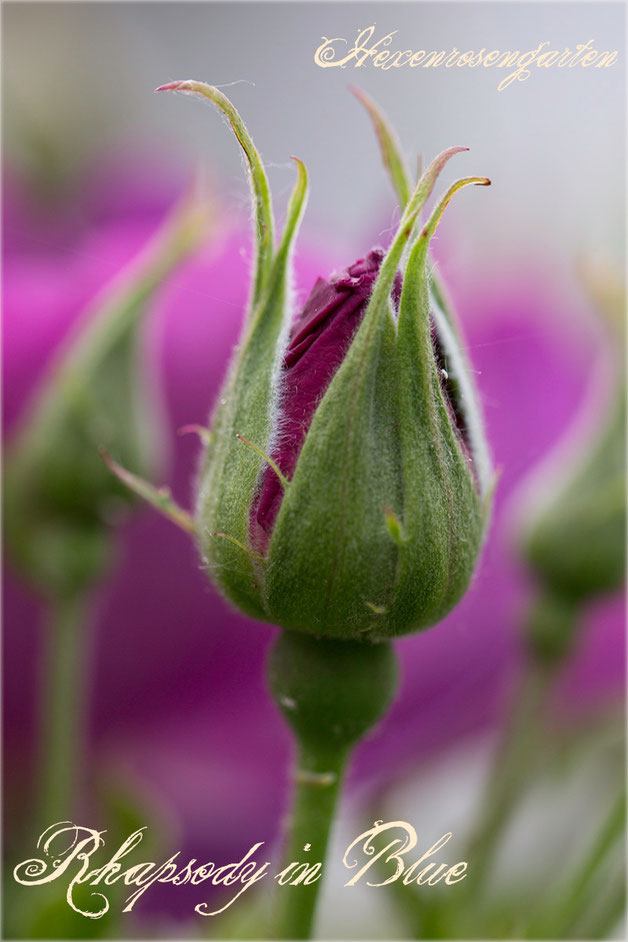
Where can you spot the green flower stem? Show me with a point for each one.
(63, 710)
(550, 627)
(318, 780)
(330, 693)
(583, 887)
(609, 913)
(514, 761)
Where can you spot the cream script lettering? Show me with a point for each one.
(68, 850)
(401, 840)
(370, 50)
(72, 855)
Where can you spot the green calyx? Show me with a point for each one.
(380, 526)
(381, 438)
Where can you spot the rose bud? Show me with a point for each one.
(60, 499)
(577, 545)
(345, 487)
(570, 515)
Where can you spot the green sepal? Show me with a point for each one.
(263, 213)
(319, 579)
(231, 468)
(158, 497)
(442, 310)
(316, 581)
(445, 321)
(390, 150)
(443, 512)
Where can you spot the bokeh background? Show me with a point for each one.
(176, 707)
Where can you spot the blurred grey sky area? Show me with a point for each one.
(79, 80)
